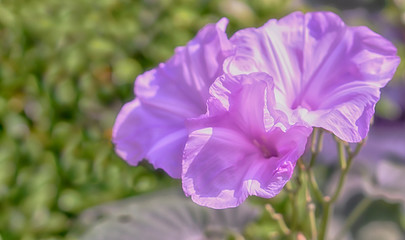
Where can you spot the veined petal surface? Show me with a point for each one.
(332, 71)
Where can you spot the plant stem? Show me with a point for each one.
(344, 169)
(357, 149)
(345, 166)
(325, 218)
(316, 145)
(279, 219)
(314, 139)
(328, 201)
(312, 218)
(342, 154)
(314, 186)
(292, 195)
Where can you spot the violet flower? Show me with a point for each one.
(242, 146)
(152, 126)
(325, 73)
(242, 134)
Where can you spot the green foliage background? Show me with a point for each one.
(66, 68)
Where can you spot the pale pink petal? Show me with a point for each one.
(319, 64)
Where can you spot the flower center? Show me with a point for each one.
(266, 151)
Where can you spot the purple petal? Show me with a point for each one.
(180, 86)
(143, 132)
(249, 99)
(153, 125)
(222, 167)
(237, 149)
(244, 96)
(321, 65)
(349, 119)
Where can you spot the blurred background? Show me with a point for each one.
(66, 68)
